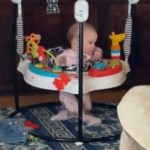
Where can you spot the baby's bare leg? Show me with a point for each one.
(69, 101)
(70, 104)
(87, 104)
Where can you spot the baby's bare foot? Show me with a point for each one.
(91, 120)
(62, 115)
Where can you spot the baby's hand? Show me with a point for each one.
(97, 55)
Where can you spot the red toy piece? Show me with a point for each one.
(30, 124)
(58, 84)
(64, 78)
(41, 53)
(61, 81)
(106, 72)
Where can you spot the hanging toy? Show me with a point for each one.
(52, 7)
(35, 50)
(20, 35)
(38, 54)
(128, 32)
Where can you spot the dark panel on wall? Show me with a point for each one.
(106, 16)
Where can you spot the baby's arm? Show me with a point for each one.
(61, 59)
(97, 54)
(67, 58)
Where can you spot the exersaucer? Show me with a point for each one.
(101, 75)
(107, 73)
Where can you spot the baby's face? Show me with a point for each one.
(90, 37)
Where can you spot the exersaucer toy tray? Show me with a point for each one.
(40, 78)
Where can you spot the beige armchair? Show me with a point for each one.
(134, 115)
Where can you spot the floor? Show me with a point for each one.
(66, 129)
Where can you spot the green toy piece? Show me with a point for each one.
(114, 63)
(32, 138)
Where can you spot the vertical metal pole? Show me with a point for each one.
(134, 59)
(81, 13)
(80, 83)
(13, 59)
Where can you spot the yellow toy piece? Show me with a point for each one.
(39, 65)
(116, 38)
(32, 44)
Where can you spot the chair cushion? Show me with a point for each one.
(134, 114)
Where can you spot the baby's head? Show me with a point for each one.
(89, 37)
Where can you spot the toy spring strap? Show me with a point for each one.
(20, 34)
(52, 7)
(128, 31)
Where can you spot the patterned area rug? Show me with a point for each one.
(66, 129)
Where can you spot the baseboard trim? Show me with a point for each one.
(106, 96)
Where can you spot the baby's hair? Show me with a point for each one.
(72, 32)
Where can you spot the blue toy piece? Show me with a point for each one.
(99, 65)
(12, 131)
(42, 72)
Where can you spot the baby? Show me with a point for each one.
(90, 51)
(69, 58)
